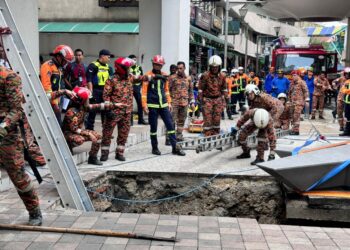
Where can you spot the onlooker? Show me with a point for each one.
(75, 73)
(97, 74)
(268, 80)
(280, 84)
(309, 80)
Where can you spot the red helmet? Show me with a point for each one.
(65, 51)
(158, 59)
(82, 93)
(124, 61)
(295, 72)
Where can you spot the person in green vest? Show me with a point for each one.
(98, 73)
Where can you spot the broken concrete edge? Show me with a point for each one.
(133, 139)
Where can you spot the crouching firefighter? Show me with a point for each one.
(74, 120)
(156, 101)
(259, 119)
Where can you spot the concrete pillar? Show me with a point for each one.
(165, 30)
(347, 48)
(25, 14)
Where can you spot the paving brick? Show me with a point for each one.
(232, 237)
(279, 246)
(65, 246)
(209, 229)
(162, 243)
(165, 234)
(313, 235)
(86, 246)
(186, 235)
(276, 239)
(312, 229)
(137, 247)
(184, 248)
(323, 242)
(26, 236)
(230, 231)
(270, 232)
(7, 236)
(92, 239)
(228, 225)
(139, 242)
(251, 232)
(112, 247)
(295, 234)
(187, 229)
(255, 245)
(253, 238)
(40, 246)
(247, 221)
(16, 245)
(147, 221)
(230, 243)
(209, 248)
(187, 243)
(48, 237)
(116, 241)
(161, 248)
(209, 236)
(168, 217)
(235, 246)
(291, 228)
(127, 221)
(71, 238)
(270, 227)
(167, 222)
(124, 227)
(227, 220)
(166, 228)
(338, 235)
(130, 215)
(327, 248)
(65, 224)
(209, 243)
(295, 240)
(301, 246)
(145, 229)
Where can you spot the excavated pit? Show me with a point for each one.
(242, 196)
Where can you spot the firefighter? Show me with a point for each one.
(74, 120)
(119, 89)
(234, 91)
(137, 72)
(280, 84)
(284, 120)
(51, 73)
(345, 90)
(298, 95)
(98, 73)
(339, 111)
(228, 81)
(181, 93)
(253, 79)
(321, 85)
(11, 145)
(156, 101)
(259, 119)
(242, 80)
(212, 94)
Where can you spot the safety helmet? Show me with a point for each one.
(224, 70)
(347, 70)
(240, 68)
(234, 71)
(252, 88)
(158, 59)
(215, 61)
(280, 71)
(282, 95)
(83, 94)
(122, 64)
(311, 69)
(261, 118)
(65, 51)
(295, 72)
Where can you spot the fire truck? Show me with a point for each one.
(303, 56)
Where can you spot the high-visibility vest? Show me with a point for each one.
(102, 74)
(347, 97)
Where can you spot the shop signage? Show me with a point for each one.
(216, 23)
(118, 3)
(233, 27)
(203, 20)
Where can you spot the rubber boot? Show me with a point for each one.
(178, 151)
(271, 157)
(244, 155)
(341, 129)
(35, 218)
(346, 130)
(94, 161)
(256, 161)
(334, 114)
(120, 157)
(104, 155)
(167, 141)
(156, 151)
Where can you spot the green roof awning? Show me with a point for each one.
(71, 27)
(208, 35)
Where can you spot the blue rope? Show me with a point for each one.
(330, 175)
(307, 143)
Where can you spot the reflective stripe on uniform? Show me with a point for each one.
(120, 147)
(105, 148)
(171, 132)
(153, 134)
(102, 74)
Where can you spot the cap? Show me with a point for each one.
(105, 52)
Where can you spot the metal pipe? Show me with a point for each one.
(246, 48)
(226, 33)
(257, 55)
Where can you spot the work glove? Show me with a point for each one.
(3, 133)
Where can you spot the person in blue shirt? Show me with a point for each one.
(309, 80)
(280, 84)
(268, 80)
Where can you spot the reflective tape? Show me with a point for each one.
(105, 147)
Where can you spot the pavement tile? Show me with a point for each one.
(87, 246)
(327, 248)
(235, 246)
(65, 246)
(209, 248)
(188, 223)
(227, 220)
(251, 232)
(166, 228)
(26, 236)
(312, 229)
(187, 229)
(323, 242)
(168, 217)
(232, 237)
(184, 248)
(67, 218)
(255, 245)
(230, 231)
(279, 246)
(71, 238)
(165, 234)
(229, 243)
(290, 228)
(65, 224)
(270, 227)
(342, 242)
(186, 235)
(187, 243)
(333, 230)
(40, 246)
(137, 247)
(247, 221)
(16, 245)
(295, 234)
(162, 243)
(130, 215)
(167, 222)
(299, 240)
(139, 242)
(161, 248)
(340, 235)
(300, 246)
(313, 235)
(124, 227)
(48, 237)
(276, 239)
(271, 232)
(209, 236)
(127, 221)
(209, 243)
(228, 225)
(116, 241)
(209, 229)
(113, 247)
(145, 229)
(7, 237)
(253, 238)
(147, 221)
(93, 239)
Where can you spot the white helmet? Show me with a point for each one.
(282, 95)
(215, 61)
(347, 70)
(261, 118)
(224, 70)
(234, 71)
(252, 88)
(240, 68)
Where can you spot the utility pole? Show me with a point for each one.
(226, 33)
(246, 48)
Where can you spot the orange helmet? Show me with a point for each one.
(65, 51)
(158, 59)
